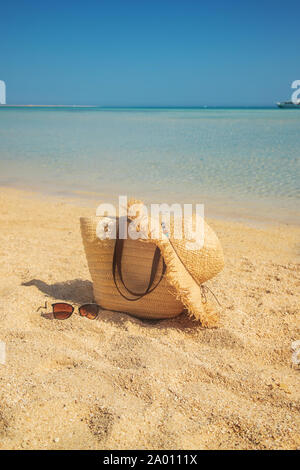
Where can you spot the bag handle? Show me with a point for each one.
(117, 264)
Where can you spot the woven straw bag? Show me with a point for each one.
(167, 285)
(137, 260)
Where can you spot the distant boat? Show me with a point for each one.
(289, 105)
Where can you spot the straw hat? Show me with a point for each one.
(188, 266)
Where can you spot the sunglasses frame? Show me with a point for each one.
(79, 308)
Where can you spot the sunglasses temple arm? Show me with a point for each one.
(46, 306)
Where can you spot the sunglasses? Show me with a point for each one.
(63, 311)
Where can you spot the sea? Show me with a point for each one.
(241, 163)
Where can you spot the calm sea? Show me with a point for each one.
(239, 162)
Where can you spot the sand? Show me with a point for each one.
(122, 383)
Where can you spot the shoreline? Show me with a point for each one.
(239, 213)
(168, 156)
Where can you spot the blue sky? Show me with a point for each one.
(156, 53)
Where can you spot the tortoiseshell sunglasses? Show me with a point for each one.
(63, 311)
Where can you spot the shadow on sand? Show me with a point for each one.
(76, 291)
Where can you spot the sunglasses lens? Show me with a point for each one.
(62, 311)
(89, 310)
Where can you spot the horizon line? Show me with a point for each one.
(135, 106)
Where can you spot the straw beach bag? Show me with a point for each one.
(141, 271)
(154, 278)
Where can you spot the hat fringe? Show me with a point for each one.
(203, 312)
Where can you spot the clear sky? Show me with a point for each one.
(149, 52)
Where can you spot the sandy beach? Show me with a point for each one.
(122, 383)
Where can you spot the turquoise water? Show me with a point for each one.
(233, 160)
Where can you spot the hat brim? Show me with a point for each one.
(188, 291)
